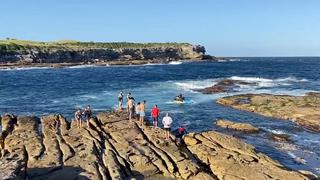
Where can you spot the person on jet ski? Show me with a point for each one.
(179, 98)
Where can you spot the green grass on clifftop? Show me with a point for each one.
(14, 45)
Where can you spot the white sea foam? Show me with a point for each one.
(291, 154)
(151, 64)
(175, 62)
(89, 97)
(81, 66)
(264, 82)
(237, 59)
(200, 84)
(24, 68)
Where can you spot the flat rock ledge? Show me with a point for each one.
(302, 110)
(113, 148)
(244, 127)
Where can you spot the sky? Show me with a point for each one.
(224, 27)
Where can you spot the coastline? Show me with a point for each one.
(9, 66)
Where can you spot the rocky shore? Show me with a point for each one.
(112, 148)
(15, 53)
(302, 110)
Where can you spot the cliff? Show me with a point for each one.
(114, 148)
(24, 52)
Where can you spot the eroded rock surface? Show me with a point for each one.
(244, 127)
(303, 110)
(113, 148)
(230, 158)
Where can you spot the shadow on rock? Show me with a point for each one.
(61, 173)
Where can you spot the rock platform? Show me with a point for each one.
(111, 147)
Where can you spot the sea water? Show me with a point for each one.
(42, 91)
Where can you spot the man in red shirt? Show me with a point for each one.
(155, 112)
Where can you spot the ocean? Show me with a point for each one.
(42, 91)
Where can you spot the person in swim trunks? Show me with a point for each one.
(131, 108)
(142, 112)
(138, 111)
(128, 98)
(78, 118)
(87, 114)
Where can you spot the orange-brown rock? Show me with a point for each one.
(114, 148)
(244, 127)
(303, 110)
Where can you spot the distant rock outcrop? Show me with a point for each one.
(302, 110)
(244, 127)
(225, 85)
(114, 148)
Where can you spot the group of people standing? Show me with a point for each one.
(138, 111)
(83, 115)
(135, 111)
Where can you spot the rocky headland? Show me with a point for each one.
(17, 53)
(111, 147)
(302, 110)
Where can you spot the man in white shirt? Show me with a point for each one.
(167, 121)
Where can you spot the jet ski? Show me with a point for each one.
(179, 99)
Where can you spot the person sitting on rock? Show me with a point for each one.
(180, 133)
(87, 114)
(78, 118)
(167, 121)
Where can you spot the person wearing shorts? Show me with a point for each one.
(142, 112)
(131, 108)
(167, 121)
(155, 112)
(78, 118)
(138, 111)
(87, 114)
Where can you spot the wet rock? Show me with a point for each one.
(280, 137)
(226, 85)
(303, 110)
(244, 127)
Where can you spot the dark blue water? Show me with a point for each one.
(45, 91)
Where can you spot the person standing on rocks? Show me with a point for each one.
(78, 118)
(87, 114)
(167, 121)
(131, 108)
(155, 112)
(128, 98)
(120, 101)
(142, 112)
(138, 111)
